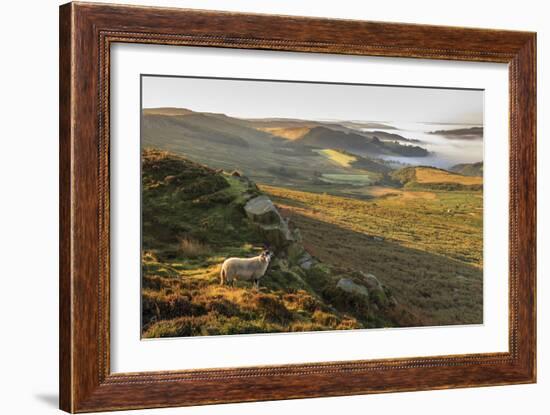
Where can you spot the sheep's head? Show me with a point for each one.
(266, 256)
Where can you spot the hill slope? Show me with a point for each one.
(292, 133)
(229, 143)
(468, 169)
(193, 218)
(434, 178)
(206, 127)
(427, 246)
(461, 133)
(322, 137)
(343, 158)
(166, 124)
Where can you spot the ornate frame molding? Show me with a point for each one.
(87, 32)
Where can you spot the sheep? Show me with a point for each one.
(247, 269)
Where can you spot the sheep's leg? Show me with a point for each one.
(257, 283)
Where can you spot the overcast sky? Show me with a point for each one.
(314, 101)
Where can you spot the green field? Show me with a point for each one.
(338, 157)
(351, 179)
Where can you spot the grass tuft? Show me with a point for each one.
(192, 248)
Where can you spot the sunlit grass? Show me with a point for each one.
(340, 158)
(430, 175)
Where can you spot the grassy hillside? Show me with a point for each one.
(346, 159)
(426, 246)
(193, 218)
(207, 132)
(385, 136)
(341, 158)
(322, 137)
(227, 143)
(461, 133)
(292, 133)
(434, 178)
(469, 169)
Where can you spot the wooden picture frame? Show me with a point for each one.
(86, 33)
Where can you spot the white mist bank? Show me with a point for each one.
(444, 152)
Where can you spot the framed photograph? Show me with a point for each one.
(260, 207)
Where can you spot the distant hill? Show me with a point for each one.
(368, 124)
(172, 124)
(469, 169)
(279, 152)
(228, 143)
(212, 128)
(294, 129)
(346, 159)
(383, 135)
(322, 137)
(434, 178)
(223, 129)
(167, 111)
(462, 133)
(289, 133)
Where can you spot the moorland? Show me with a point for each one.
(359, 241)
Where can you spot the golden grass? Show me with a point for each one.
(426, 246)
(192, 248)
(339, 158)
(418, 195)
(292, 133)
(382, 191)
(419, 220)
(428, 175)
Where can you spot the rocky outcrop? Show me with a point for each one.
(262, 210)
(275, 229)
(263, 213)
(295, 267)
(347, 285)
(372, 282)
(369, 287)
(306, 261)
(379, 294)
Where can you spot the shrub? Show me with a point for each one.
(303, 301)
(222, 306)
(183, 326)
(162, 305)
(191, 248)
(326, 319)
(271, 308)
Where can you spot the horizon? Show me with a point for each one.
(311, 119)
(256, 99)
